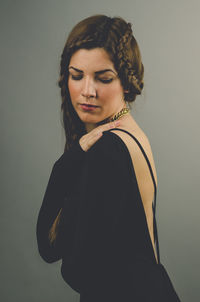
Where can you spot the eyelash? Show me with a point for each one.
(77, 78)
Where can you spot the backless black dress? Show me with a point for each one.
(102, 237)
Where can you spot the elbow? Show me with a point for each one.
(47, 252)
(49, 257)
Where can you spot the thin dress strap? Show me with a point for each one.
(155, 192)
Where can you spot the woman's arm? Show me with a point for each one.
(63, 179)
(64, 171)
(101, 248)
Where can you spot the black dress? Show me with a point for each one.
(103, 237)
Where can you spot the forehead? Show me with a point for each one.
(91, 59)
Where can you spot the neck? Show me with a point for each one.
(118, 115)
(124, 118)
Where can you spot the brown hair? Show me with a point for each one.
(116, 37)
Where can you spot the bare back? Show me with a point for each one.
(141, 168)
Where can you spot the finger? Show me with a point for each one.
(113, 124)
(95, 135)
(107, 126)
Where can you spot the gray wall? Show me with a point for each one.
(32, 38)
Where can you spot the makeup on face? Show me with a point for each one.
(95, 89)
(106, 78)
(86, 107)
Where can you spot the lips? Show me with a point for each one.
(89, 105)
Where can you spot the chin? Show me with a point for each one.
(87, 118)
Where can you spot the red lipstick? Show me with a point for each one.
(88, 107)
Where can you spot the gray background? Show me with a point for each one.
(32, 39)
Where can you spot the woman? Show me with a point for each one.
(98, 211)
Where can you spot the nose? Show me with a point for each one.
(88, 89)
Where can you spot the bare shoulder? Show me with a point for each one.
(138, 159)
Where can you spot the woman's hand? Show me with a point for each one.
(87, 140)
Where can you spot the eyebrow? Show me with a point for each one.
(96, 72)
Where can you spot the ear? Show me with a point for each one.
(126, 91)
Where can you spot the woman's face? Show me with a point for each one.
(93, 80)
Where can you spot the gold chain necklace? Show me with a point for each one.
(120, 114)
(117, 116)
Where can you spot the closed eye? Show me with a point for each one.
(76, 77)
(106, 80)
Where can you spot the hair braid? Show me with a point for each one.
(115, 36)
(80, 41)
(125, 66)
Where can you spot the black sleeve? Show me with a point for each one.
(59, 184)
(103, 234)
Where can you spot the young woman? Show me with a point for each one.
(98, 211)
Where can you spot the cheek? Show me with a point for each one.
(111, 92)
(73, 88)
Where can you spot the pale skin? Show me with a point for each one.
(87, 84)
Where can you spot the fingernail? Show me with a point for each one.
(117, 123)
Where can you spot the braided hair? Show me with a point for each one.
(116, 37)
